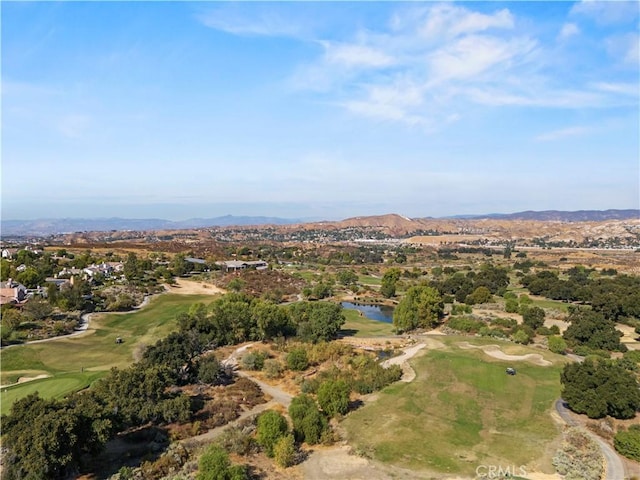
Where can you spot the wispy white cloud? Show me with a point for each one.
(256, 21)
(563, 133)
(630, 89)
(542, 96)
(472, 56)
(568, 30)
(446, 20)
(608, 12)
(397, 102)
(431, 61)
(625, 48)
(353, 55)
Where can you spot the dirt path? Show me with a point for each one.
(216, 432)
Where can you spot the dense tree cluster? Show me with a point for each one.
(315, 322)
(474, 287)
(616, 298)
(237, 317)
(591, 329)
(389, 282)
(46, 438)
(421, 307)
(599, 388)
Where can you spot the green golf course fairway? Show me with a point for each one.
(72, 363)
(462, 410)
(359, 326)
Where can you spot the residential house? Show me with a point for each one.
(59, 282)
(69, 272)
(106, 268)
(12, 292)
(9, 252)
(235, 265)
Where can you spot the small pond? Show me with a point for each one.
(381, 313)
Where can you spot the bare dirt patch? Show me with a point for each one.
(339, 463)
(630, 337)
(192, 287)
(495, 352)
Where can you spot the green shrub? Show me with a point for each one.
(504, 322)
(308, 422)
(521, 336)
(465, 324)
(627, 442)
(491, 332)
(214, 464)
(633, 355)
(557, 345)
(285, 451)
(271, 427)
(479, 295)
(272, 368)
(585, 351)
(524, 299)
(297, 359)
(209, 370)
(511, 305)
(253, 360)
(460, 309)
(333, 397)
(239, 440)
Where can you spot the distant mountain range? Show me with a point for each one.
(44, 227)
(50, 226)
(560, 216)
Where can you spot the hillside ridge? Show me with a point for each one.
(391, 223)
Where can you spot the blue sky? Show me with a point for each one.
(325, 110)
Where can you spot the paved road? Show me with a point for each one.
(614, 467)
(84, 325)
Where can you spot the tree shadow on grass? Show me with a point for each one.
(348, 332)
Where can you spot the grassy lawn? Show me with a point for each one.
(73, 363)
(552, 304)
(461, 411)
(359, 326)
(369, 280)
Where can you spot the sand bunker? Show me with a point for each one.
(408, 373)
(191, 287)
(26, 379)
(495, 352)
